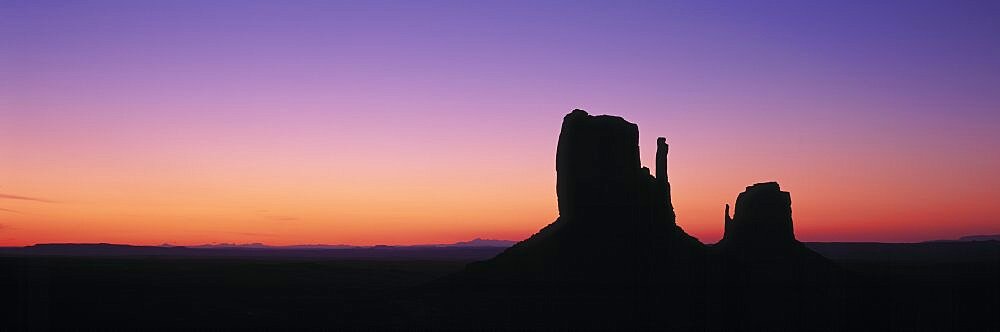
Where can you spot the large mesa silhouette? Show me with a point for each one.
(616, 221)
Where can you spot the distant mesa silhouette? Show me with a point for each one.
(480, 242)
(993, 237)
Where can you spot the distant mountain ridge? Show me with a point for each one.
(993, 237)
(461, 251)
(931, 251)
(970, 238)
(474, 243)
(477, 242)
(258, 245)
(86, 247)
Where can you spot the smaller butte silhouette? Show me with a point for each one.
(761, 229)
(764, 277)
(760, 234)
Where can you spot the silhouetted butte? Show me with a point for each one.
(766, 279)
(616, 222)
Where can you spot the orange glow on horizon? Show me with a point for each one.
(412, 200)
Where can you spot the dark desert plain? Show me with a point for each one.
(499, 165)
(932, 286)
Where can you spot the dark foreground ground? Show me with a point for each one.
(912, 287)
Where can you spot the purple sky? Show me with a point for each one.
(836, 100)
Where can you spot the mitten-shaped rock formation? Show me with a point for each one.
(599, 175)
(761, 228)
(597, 164)
(616, 221)
(763, 217)
(768, 279)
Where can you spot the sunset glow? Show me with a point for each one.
(432, 122)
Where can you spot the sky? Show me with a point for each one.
(405, 122)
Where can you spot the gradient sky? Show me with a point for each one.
(402, 122)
